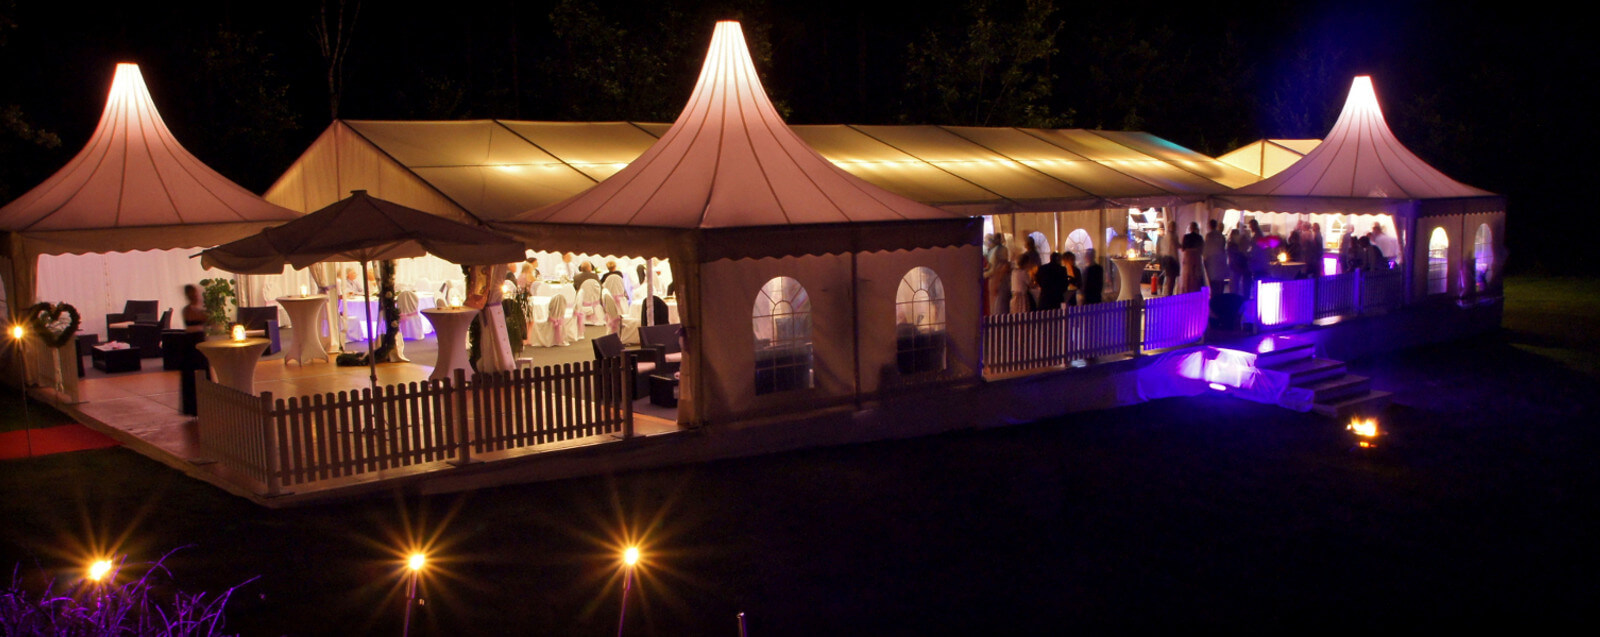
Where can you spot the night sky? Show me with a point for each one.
(1498, 96)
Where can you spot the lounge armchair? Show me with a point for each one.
(132, 311)
(609, 346)
(145, 336)
(261, 322)
(663, 340)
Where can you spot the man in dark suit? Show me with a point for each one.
(1052, 280)
(1094, 279)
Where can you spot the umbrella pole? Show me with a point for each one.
(372, 364)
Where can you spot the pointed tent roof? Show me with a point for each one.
(730, 161)
(1360, 159)
(134, 175)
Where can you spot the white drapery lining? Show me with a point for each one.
(99, 284)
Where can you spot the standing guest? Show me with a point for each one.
(1239, 263)
(1347, 252)
(1295, 244)
(1167, 258)
(1191, 265)
(1074, 277)
(1386, 244)
(1313, 250)
(1215, 255)
(997, 275)
(1093, 280)
(1376, 260)
(1053, 283)
(194, 314)
(527, 277)
(1022, 278)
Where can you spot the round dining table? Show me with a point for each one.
(451, 326)
(672, 308)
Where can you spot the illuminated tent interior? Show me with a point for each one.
(119, 221)
(768, 238)
(1361, 171)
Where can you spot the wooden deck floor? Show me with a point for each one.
(142, 411)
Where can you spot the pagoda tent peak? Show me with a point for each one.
(1361, 159)
(728, 161)
(133, 173)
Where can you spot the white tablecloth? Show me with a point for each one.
(415, 326)
(548, 289)
(672, 309)
(356, 313)
(539, 313)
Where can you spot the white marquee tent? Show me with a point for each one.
(132, 189)
(1360, 168)
(748, 212)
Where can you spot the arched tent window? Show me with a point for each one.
(920, 322)
(781, 320)
(1438, 262)
(1483, 255)
(1079, 243)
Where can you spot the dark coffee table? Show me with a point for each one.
(663, 390)
(115, 361)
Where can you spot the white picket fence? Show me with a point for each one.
(1055, 338)
(273, 444)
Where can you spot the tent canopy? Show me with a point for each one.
(134, 187)
(1359, 167)
(362, 228)
(1268, 157)
(488, 170)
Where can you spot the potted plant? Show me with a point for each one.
(218, 294)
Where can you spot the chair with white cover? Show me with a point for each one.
(630, 324)
(411, 322)
(555, 330)
(589, 304)
(616, 288)
(613, 312)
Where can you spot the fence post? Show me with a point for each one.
(1135, 322)
(269, 442)
(1355, 276)
(457, 395)
(626, 397)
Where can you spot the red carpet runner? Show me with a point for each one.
(49, 440)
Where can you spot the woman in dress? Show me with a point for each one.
(1191, 262)
(1022, 278)
(194, 314)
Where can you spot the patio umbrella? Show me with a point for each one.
(362, 228)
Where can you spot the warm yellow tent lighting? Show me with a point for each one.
(416, 562)
(631, 556)
(17, 332)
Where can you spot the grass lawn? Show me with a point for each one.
(1208, 512)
